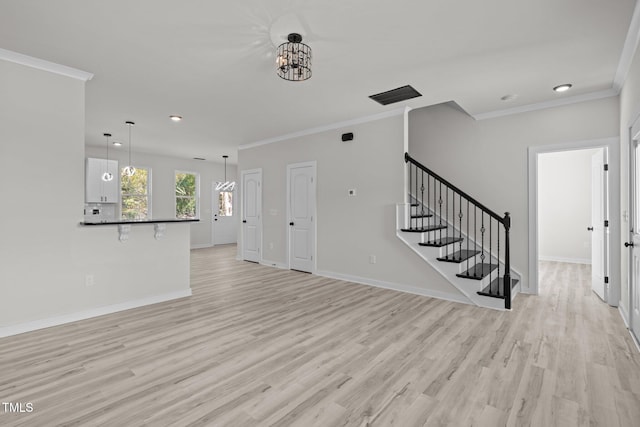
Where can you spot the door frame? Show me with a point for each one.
(612, 146)
(313, 165)
(240, 254)
(634, 133)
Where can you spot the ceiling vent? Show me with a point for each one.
(396, 95)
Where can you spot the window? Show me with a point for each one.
(135, 194)
(186, 195)
(225, 203)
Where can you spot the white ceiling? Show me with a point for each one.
(213, 62)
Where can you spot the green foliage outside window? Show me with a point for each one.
(135, 195)
(186, 192)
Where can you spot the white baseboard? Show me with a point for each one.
(274, 264)
(635, 340)
(624, 315)
(625, 319)
(21, 328)
(562, 259)
(396, 287)
(202, 246)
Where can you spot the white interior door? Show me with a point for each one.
(251, 215)
(301, 214)
(223, 227)
(599, 234)
(634, 243)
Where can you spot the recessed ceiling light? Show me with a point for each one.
(508, 97)
(562, 88)
(117, 144)
(175, 118)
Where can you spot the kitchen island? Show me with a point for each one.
(114, 266)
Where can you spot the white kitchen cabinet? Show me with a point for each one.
(96, 189)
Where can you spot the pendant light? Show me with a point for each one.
(107, 176)
(129, 170)
(226, 185)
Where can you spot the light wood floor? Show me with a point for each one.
(261, 346)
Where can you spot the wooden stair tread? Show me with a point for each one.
(438, 243)
(424, 229)
(496, 288)
(478, 271)
(459, 256)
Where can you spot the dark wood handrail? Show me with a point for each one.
(408, 158)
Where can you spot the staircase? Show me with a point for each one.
(459, 237)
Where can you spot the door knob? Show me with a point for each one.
(216, 219)
(291, 223)
(627, 244)
(590, 228)
(244, 220)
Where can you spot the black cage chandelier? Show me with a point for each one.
(293, 59)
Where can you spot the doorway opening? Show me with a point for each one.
(571, 214)
(568, 222)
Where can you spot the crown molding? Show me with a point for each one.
(324, 128)
(548, 104)
(629, 49)
(41, 64)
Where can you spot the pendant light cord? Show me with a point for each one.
(129, 143)
(107, 135)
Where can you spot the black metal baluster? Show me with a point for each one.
(440, 203)
(446, 216)
(435, 205)
(460, 216)
(417, 201)
(422, 203)
(498, 243)
(410, 198)
(482, 230)
(475, 237)
(467, 233)
(490, 250)
(428, 195)
(453, 218)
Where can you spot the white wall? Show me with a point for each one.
(163, 185)
(350, 229)
(45, 255)
(629, 112)
(488, 158)
(564, 206)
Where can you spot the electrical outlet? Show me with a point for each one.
(270, 245)
(372, 259)
(89, 280)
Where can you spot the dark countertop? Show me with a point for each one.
(138, 221)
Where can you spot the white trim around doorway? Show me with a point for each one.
(612, 145)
